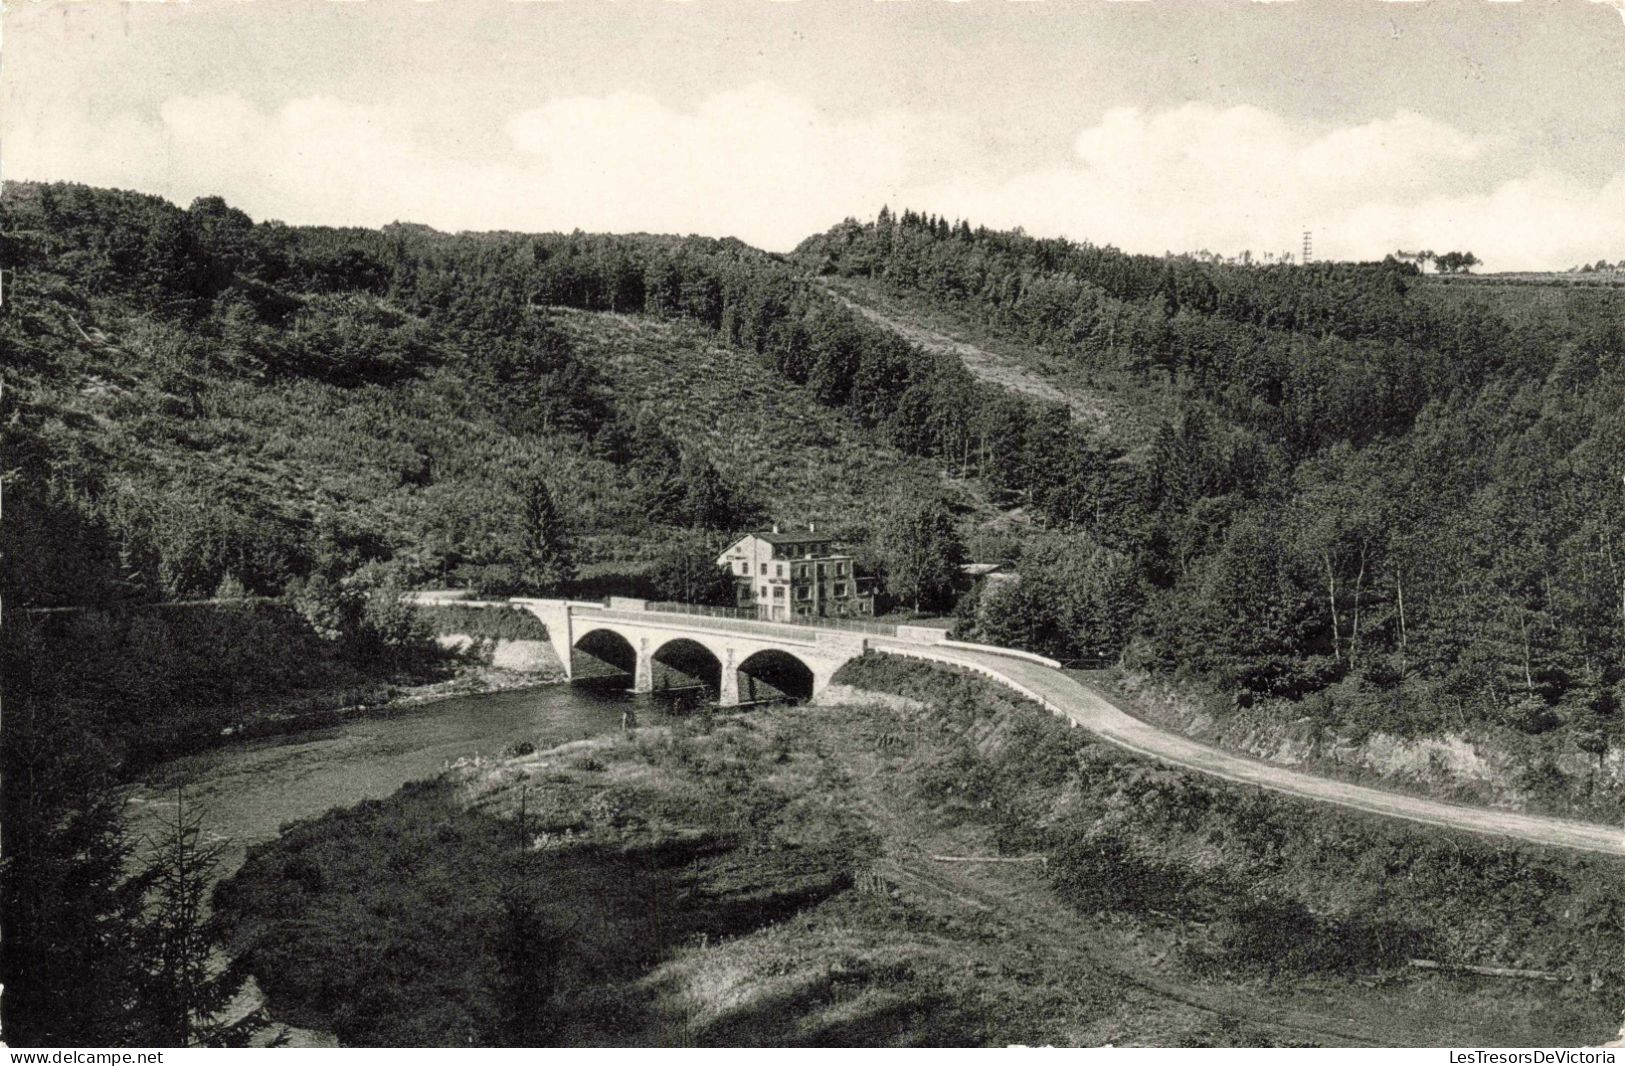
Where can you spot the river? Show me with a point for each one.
(246, 791)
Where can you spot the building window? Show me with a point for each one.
(804, 593)
(764, 592)
(764, 569)
(840, 569)
(778, 592)
(779, 570)
(840, 588)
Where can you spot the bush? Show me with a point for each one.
(1104, 873)
(1281, 935)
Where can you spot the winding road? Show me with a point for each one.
(1069, 698)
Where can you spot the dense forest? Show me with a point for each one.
(1406, 513)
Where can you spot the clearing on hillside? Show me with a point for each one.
(767, 436)
(1118, 410)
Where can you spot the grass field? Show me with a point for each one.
(1541, 300)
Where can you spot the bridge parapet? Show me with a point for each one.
(769, 630)
(735, 643)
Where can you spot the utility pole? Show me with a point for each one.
(1308, 247)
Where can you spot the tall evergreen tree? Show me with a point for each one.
(189, 981)
(543, 558)
(71, 917)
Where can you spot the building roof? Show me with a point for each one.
(800, 536)
(981, 569)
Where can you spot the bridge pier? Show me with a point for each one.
(729, 696)
(643, 679)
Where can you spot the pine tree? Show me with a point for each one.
(69, 915)
(544, 553)
(189, 980)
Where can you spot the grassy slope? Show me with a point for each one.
(723, 887)
(774, 883)
(1482, 767)
(299, 447)
(294, 445)
(801, 461)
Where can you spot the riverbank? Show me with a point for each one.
(245, 789)
(308, 711)
(468, 679)
(784, 877)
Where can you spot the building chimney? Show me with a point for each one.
(775, 527)
(812, 527)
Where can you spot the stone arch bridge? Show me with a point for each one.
(738, 660)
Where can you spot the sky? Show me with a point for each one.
(1163, 125)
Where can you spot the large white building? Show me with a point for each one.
(786, 576)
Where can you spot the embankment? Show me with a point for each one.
(1498, 768)
(165, 680)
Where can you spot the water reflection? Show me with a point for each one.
(249, 789)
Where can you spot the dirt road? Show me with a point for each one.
(1070, 698)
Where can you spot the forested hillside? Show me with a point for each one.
(798, 460)
(1399, 508)
(199, 406)
(1405, 513)
(195, 402)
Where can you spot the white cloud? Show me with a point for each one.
(766, 166)
(755, 162)
(1226, 179)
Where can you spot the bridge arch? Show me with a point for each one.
(603, 655)
(684, 664)
(773, 674)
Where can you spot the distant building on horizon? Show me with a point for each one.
(799, 574)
